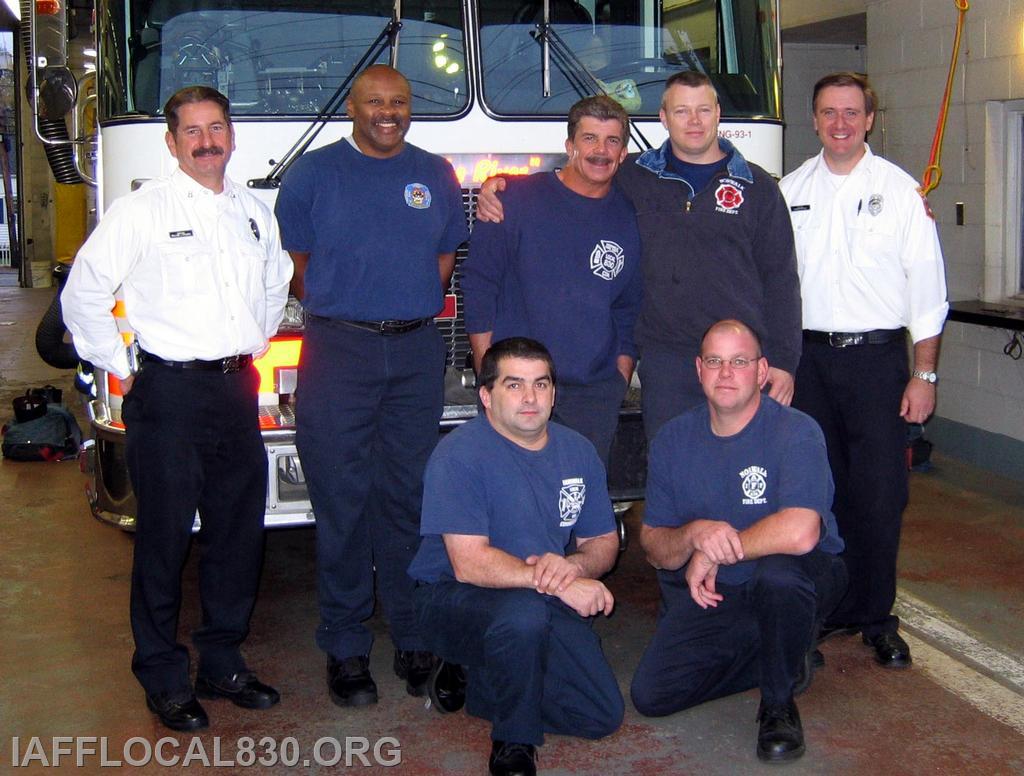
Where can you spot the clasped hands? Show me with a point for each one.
(715, 543)
(562, 577)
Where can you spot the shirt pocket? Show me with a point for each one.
(807, 235)
(872, 245)
(250, 265)
(185, 268)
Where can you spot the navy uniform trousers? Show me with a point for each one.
(592, 410)
(854, 393)
(756, 637)
(367, 413)
(534, 666)
(669, 386)
(193, 442)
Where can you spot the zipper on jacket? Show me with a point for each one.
(689, 203)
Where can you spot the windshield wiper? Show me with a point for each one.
(388, 38)
(580, 77)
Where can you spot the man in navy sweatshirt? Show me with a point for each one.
(563, 268)
(717, 243)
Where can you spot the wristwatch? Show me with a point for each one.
(928, 377)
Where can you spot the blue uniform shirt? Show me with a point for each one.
(561, 268)
(527, 502)
(373, 229)
(777, 461)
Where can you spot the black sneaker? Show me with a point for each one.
(349, 681)
(447, 687)
(780, 736)
(511, 759)
(414, 666)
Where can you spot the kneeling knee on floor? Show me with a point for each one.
(650, 699)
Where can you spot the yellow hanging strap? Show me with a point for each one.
(933, 172)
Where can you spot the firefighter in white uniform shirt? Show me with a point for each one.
(204, 282)
(870, 270)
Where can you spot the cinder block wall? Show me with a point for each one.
(981, 394)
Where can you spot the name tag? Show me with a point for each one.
(796, 208)
(180, 233)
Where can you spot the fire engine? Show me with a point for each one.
(492, 83)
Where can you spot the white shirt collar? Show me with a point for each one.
(193, 188)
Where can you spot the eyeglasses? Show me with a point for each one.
(738, 362)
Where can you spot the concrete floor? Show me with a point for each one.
(66, 648)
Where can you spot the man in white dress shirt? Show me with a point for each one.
(204, 282)
(870, 270)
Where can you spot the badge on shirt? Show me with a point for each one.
(607, 259)
(729, 198)
(570, 501)
(417, 195)
(754, 481)
(875, 204)
(180, 233)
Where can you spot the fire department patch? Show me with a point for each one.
(570, 501)
(417, 195)
(607, 260)
(728, 197)
(754, 483)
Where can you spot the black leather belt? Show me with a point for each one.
(843, 339)
(226, 365)
(388, 328)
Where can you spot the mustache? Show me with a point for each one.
(598, 159)
(211, 151)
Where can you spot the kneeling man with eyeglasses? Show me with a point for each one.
(738, 523)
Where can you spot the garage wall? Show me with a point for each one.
(802, 65)
(980, 414)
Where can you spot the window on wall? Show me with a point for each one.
(1017, 202)
(1014, 225)
(1004, 202)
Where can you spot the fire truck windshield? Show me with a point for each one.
(630, 47)
(271, 57)
(287, 57)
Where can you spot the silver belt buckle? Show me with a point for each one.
(841, 339)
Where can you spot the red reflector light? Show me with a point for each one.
(47, 7)
(449, 307)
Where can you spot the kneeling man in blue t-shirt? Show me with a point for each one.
(738, 523)
(503, 496)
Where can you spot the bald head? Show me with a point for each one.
(380, 106)
(731, 326)
(732, 371)
(376, 73)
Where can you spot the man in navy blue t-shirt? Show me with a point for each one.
(738, 523)
(503, 496)
(372, 224)
(563, 268)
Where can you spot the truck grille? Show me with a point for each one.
(454, 330)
